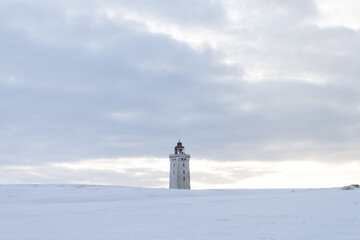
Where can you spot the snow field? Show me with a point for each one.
(81, 212)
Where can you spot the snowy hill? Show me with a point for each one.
(81, 212)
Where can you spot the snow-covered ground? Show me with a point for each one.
(81, 212)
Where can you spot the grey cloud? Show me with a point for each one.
(52, 175)
(73, 68)
(199, 12)
(65, 91)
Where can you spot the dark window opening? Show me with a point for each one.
(184, 178)
(183, 171)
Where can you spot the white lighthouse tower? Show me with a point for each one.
(179, 168)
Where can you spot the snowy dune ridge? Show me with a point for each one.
(91, 212)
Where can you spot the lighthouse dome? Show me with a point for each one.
(179, 147)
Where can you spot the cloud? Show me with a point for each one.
(236, 81)
(335, 13)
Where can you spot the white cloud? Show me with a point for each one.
(124, 116)
(339, 13)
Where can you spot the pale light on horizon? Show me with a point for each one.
(205, 174)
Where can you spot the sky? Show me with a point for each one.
(263, 94)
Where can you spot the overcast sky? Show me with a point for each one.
(261, 93)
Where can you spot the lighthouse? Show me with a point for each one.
(179, 168)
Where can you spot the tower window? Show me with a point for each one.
(183, 164)
(184, 179)
(183, 171)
